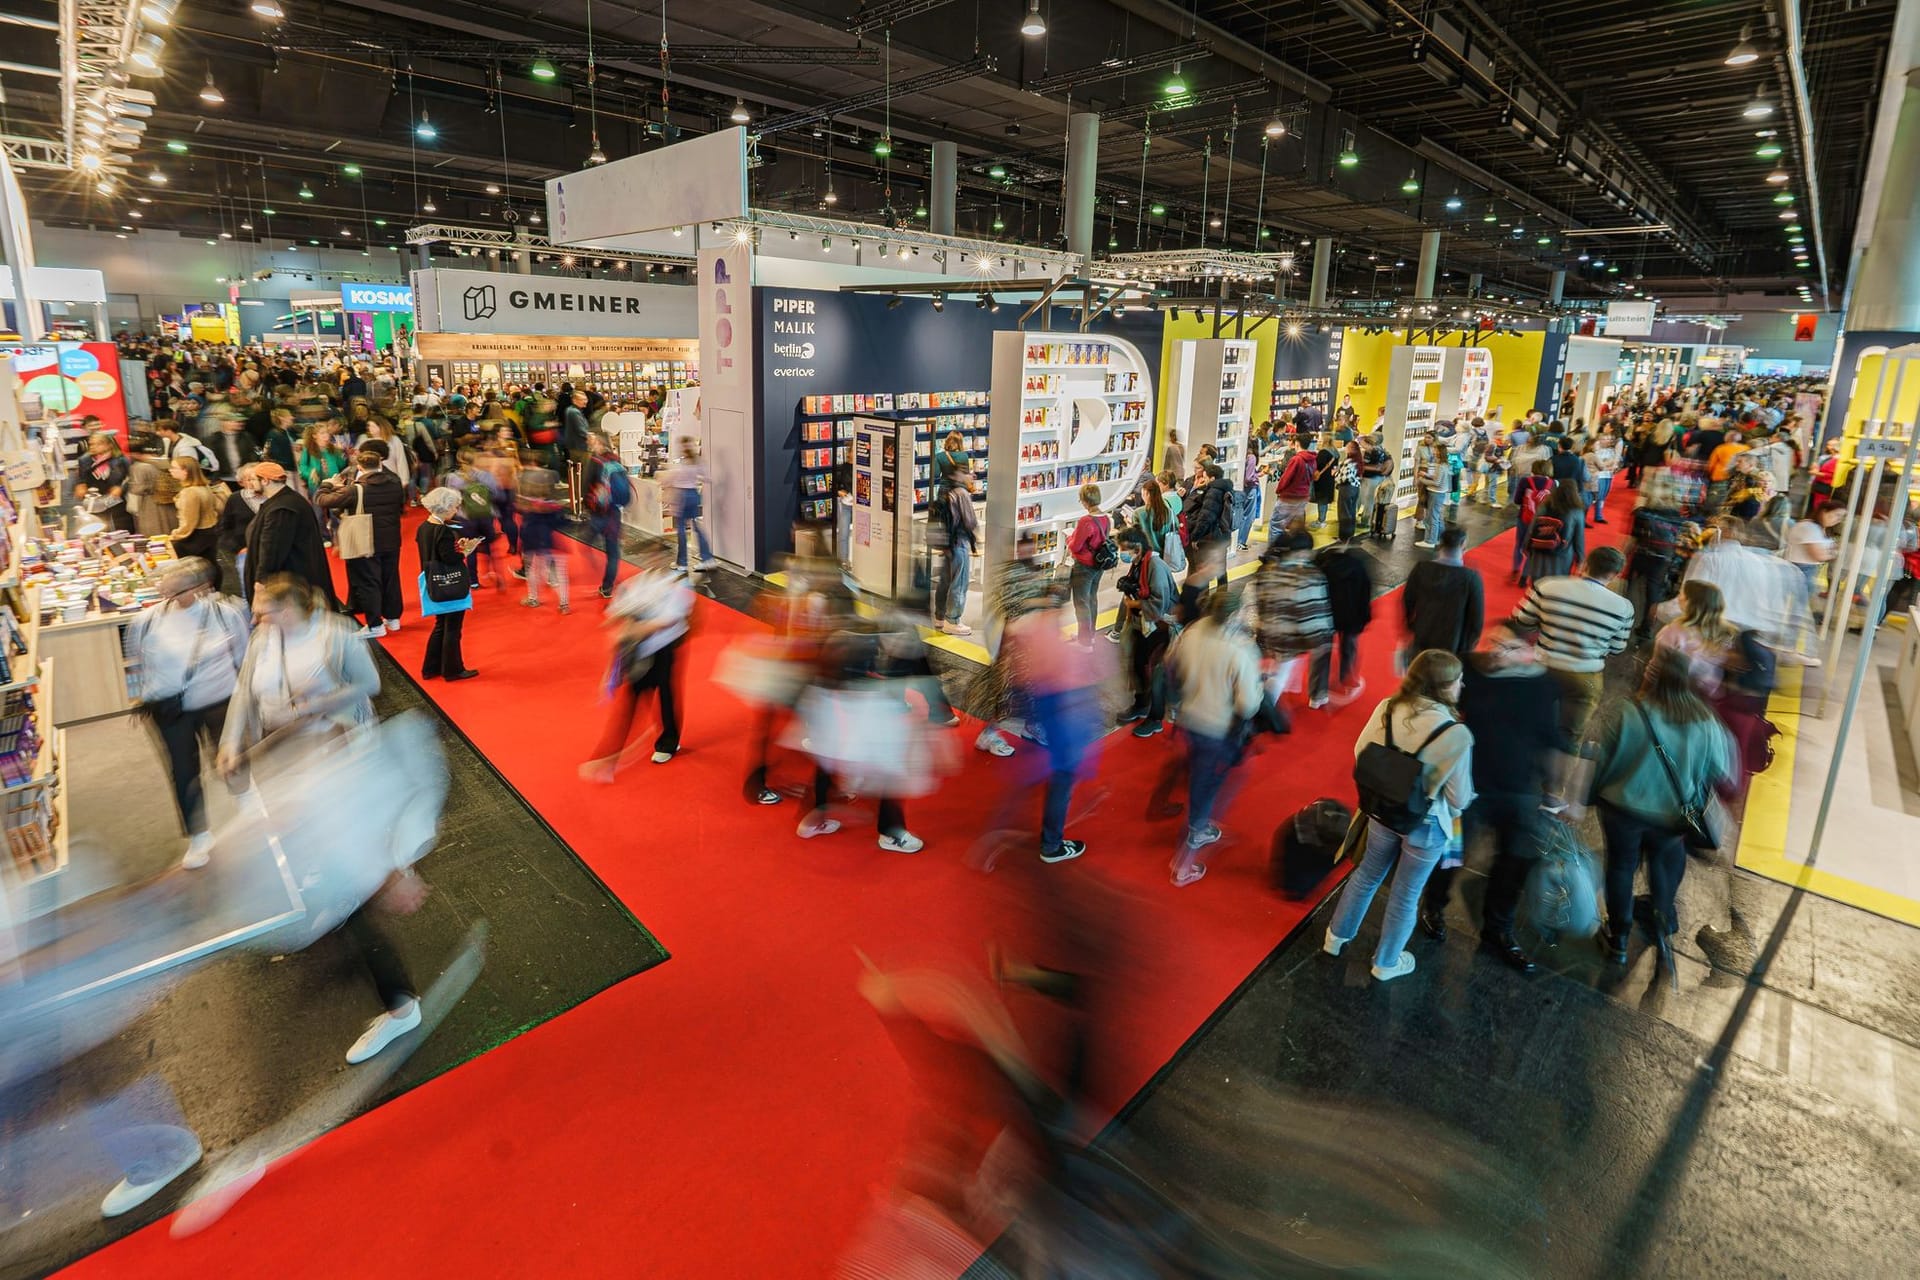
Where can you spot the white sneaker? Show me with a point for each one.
(661, 757)
(905, 842)
(199, 851)
(1201, 837)
(393, 624)
(128, 1195)
(705, 565)
(1333, 945)
(383, 1031)
(991, 742)
(1426, 546)
(1314, 704)
(816, 824)
(371, 633)
(1401, 968)
(956, 628)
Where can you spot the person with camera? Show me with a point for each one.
(188, 650)
(443, 553)
(1147, 594)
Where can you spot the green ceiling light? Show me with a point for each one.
(1412, 185)
(999, 223)
(306, 192)
(1113, 241)
(177, 147)
(542, 70)
(1348, 156)
(1793, 229)
(1490, 216)
(268, 212)
(1158, 210)
(351, 170)
(1768, 150)
(883, 146)
(920, 210)
(1785, 197)
(1176, 85)
(997, 172)
(1796, 239)
(1266, 232)
(379, 222)
(1613, 271)
(1544, 240)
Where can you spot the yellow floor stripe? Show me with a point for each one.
(1763, 836)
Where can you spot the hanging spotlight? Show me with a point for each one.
(158, 12)
(1767, 150)
(429, 206)
(826, 244)
(1412, 184)
(920, 210)
(1176, 85)
(830, 197)
(993, 304)
(210, 92)
(1785, 197)
(1348, 156)
(1157, 209)
(1491, 216)
(1778, 176)
(997, 172)
(1544, 240)
(1757, 107)
(740, 115)
(176, 146)
(542, 70)
(493, 188)
(146, 55)
(1214, 222)
(351, 170)
(596, 156)
(1033, 24)
(939, 302)
(883, 146)
(1276, 128)
(305, 192)
(269, 9)
(425, 130)
(1743, 53)
(247, 225)
(1454, 203)
(157, 178)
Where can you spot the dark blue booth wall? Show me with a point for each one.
(814, 342)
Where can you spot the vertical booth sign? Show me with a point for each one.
(727, 385)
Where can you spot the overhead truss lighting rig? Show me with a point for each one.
(602, 50)
(980, 65)
(878, 17)
(506, 242)
(1112, 68)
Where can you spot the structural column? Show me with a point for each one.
(946, 165)
(523, 256)
(1429, 264)
(1474, 282)
(1886, 293)
(423, 257)
(1557, 287)
(1083, 161)
(1322, 268)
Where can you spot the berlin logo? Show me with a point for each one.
(479, 303)
(795, 350)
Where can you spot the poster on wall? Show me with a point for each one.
(1805, 327)
(873, 554)
(77, 378)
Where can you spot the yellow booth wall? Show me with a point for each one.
(1865, 404)
(1516, 369)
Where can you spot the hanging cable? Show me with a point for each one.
(1140, 208)
(1226, 205)
(1206, 179)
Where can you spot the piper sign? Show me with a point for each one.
(376, 297)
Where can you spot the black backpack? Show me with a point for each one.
(1388, 780)
(1104, 556)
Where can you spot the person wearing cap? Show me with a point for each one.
(285, 537)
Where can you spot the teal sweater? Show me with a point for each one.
(1629, 775)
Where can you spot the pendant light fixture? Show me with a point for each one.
(1276, 127)
(425, 130)
(740, 115)
(210, 92)
(1412, 185)
(1454, 202)
(1744, 53)
(1176, 85)
(268, 9)
(542, 70)
(1348, 156)
(429, 206)
(597, 156)
(1758, 107)
(1033, 25)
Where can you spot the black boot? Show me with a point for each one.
(1433, 922)
(1433, 904)
(1614, 945)
(1508, 951)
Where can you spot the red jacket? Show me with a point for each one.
(1296, 481)
(1088, 534)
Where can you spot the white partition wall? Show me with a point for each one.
(1410, 413)
(1212, 399)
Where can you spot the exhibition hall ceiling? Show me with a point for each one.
(1633, 145)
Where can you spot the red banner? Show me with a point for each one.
(1804, 327)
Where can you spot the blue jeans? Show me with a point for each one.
(686, 511)
(1248, 504)
(1436, 513)
(1208, 760)
(1083, 584)
(605, 529)
(959, 571)
(1418, 853)
(1597, 509)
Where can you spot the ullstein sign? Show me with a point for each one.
(504, 302)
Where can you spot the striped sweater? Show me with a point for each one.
(1580, 622)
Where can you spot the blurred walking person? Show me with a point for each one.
(1218, 669)
(1090, 547)
(188, 650)
(684, 483)
(651, 611)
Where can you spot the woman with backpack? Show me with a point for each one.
(1091, 545)
(1530, 491)
(1557, 536)
(1414, 769)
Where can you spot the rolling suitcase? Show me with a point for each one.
(1386, 519)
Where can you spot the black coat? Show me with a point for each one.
(1349, 588)
(385, 498)
(1212, 512)
(285, 538)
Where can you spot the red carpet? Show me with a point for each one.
(729, 1113)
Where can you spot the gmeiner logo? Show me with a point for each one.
(479, 302)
